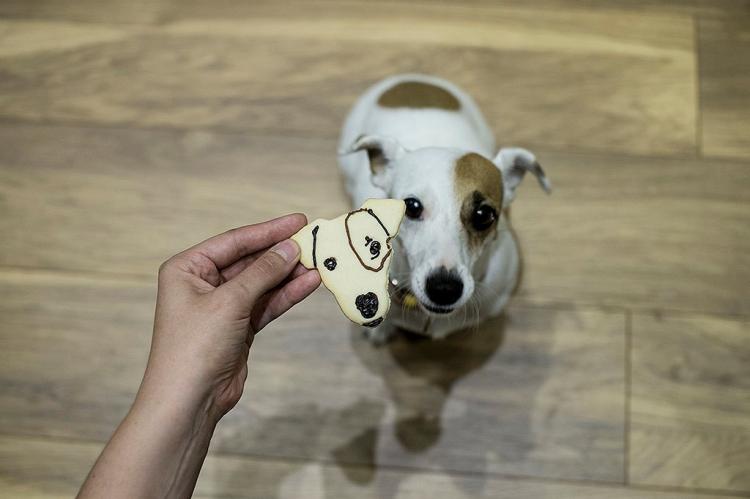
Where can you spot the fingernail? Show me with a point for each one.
(286, 249)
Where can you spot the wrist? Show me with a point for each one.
(176, 397)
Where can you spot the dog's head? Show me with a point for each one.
(455, 206)
(353, 254)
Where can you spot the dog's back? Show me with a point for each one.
(417, 110)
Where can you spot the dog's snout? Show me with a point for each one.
(444, 287)
(367, 304)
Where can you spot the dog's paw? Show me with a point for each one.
(380, 335)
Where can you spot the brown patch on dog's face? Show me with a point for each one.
(474, 172)
(419, 95)
(479, 192)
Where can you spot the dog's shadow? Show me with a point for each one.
(419, 374)
(418, 427)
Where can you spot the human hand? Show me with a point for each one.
(212, 300)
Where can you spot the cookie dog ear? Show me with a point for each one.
(381, 152)
(306, 238)
(390, 212)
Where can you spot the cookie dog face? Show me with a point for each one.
(353, 254)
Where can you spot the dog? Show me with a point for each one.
(422, 139)
(353, 254)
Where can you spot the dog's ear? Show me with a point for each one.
(381, 152)
(514, 162)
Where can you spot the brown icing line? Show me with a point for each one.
(315, 242)
(349, 239)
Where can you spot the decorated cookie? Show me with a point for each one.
(353, 253)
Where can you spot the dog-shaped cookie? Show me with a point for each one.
(353, 253)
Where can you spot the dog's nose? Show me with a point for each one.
(367, 304)
(444, 287)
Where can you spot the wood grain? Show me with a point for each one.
(540, 393)
(46, 469)
(690, 402)
(163, 11)
(590, 81)
(131, 130)
(616, 231)
(723, 48)
(638, 232)
(121, 201)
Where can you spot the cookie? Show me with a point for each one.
(353, 254)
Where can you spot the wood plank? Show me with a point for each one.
(43, 469)
(161, 11)
(121, 201)
(690, 402)
(587, 81)
(538, 393)
(627, 231)
(46, 469)
(723, 48)
(638, 232)
(110, 11)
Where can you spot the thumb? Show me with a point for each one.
(265, 273)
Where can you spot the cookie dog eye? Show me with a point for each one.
(374, 247)
(483, 218)
(414, 208)
(330, 263)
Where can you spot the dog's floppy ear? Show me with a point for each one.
(514, 162)
(382, 152)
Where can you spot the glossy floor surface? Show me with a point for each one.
(131, 129)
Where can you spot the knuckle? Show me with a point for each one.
(231, 233)
(166, 267)
(268, 265)
(172, 266)
(235, 235)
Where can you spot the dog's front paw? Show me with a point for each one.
(379, 335)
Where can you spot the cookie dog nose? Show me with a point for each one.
(367, 304)
(444, 287)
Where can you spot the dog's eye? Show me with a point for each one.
(483, 218)
(413, 208)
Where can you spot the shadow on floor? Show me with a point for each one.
(426, 371)
(417, 427)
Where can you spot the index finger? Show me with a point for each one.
(227, 248)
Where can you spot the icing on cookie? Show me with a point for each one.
(353, 254)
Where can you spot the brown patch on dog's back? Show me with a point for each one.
(419, 95)
(478, 182)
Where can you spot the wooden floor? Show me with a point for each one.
(131, 129)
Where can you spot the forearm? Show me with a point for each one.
(158, 449)
(211, 301)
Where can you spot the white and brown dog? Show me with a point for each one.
(422, 139)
